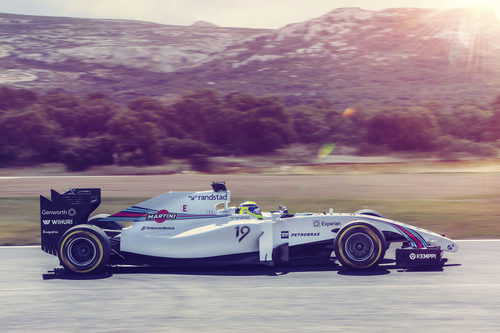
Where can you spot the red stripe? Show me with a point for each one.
(415, 239)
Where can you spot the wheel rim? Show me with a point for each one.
(359, 246)
(81, 251)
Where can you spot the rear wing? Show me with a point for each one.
(62, 211)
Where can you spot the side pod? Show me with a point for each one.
(63, 211)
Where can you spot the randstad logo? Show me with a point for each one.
(212, 196)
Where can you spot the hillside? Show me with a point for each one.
(350, 55)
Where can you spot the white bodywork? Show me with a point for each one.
(188, 225)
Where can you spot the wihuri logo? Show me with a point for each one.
(161, 216)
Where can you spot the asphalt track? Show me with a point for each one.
(465, 296)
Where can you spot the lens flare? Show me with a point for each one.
(326, 150)
(349, 112)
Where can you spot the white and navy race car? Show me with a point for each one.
(200, 228)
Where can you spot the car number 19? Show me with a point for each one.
(241, 232)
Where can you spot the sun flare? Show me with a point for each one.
(475, 4)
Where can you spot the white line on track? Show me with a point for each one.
(63, 176)
(477, 240)
(458, 240)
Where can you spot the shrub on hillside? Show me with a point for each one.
(81, 153)
(26, 137)
(185, 148)
(16, 98)
(469, 122)
(403, 129)
(200, 162)
(450, 147)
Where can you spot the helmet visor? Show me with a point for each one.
(254, 210)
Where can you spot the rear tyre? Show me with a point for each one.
(359, 245)
(84, 249)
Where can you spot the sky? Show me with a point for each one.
(231, 13)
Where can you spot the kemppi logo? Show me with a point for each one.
(414, 256)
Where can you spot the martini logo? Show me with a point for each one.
(161, 216)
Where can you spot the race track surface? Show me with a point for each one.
(464, 297)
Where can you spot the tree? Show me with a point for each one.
(136, 142)
(81, 153)
(413, 128)
(197, 113)
(249, 124)
(16, 98)
(63, 108)
(469, 122)
(94, 112)
(310, 125)
(27, 137)
(495, 119)
(184, 148)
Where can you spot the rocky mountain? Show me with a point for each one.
(350, 55)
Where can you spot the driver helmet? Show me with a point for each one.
(250, 208)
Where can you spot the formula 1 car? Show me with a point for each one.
(199, 228)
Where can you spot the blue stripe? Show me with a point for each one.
(414, 233)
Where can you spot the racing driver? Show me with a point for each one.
(250, 208)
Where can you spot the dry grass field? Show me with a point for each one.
(459, 204)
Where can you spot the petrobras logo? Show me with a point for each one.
(284, 235)
(161, 216)
(213, 196)
(414, 256)
(305, 234)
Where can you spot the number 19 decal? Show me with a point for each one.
(242, 232)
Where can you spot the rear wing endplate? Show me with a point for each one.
(62, 211)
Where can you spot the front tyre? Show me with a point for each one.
(359, 245)
(84, 249)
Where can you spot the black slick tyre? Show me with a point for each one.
(359, 245)
(84, 249)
